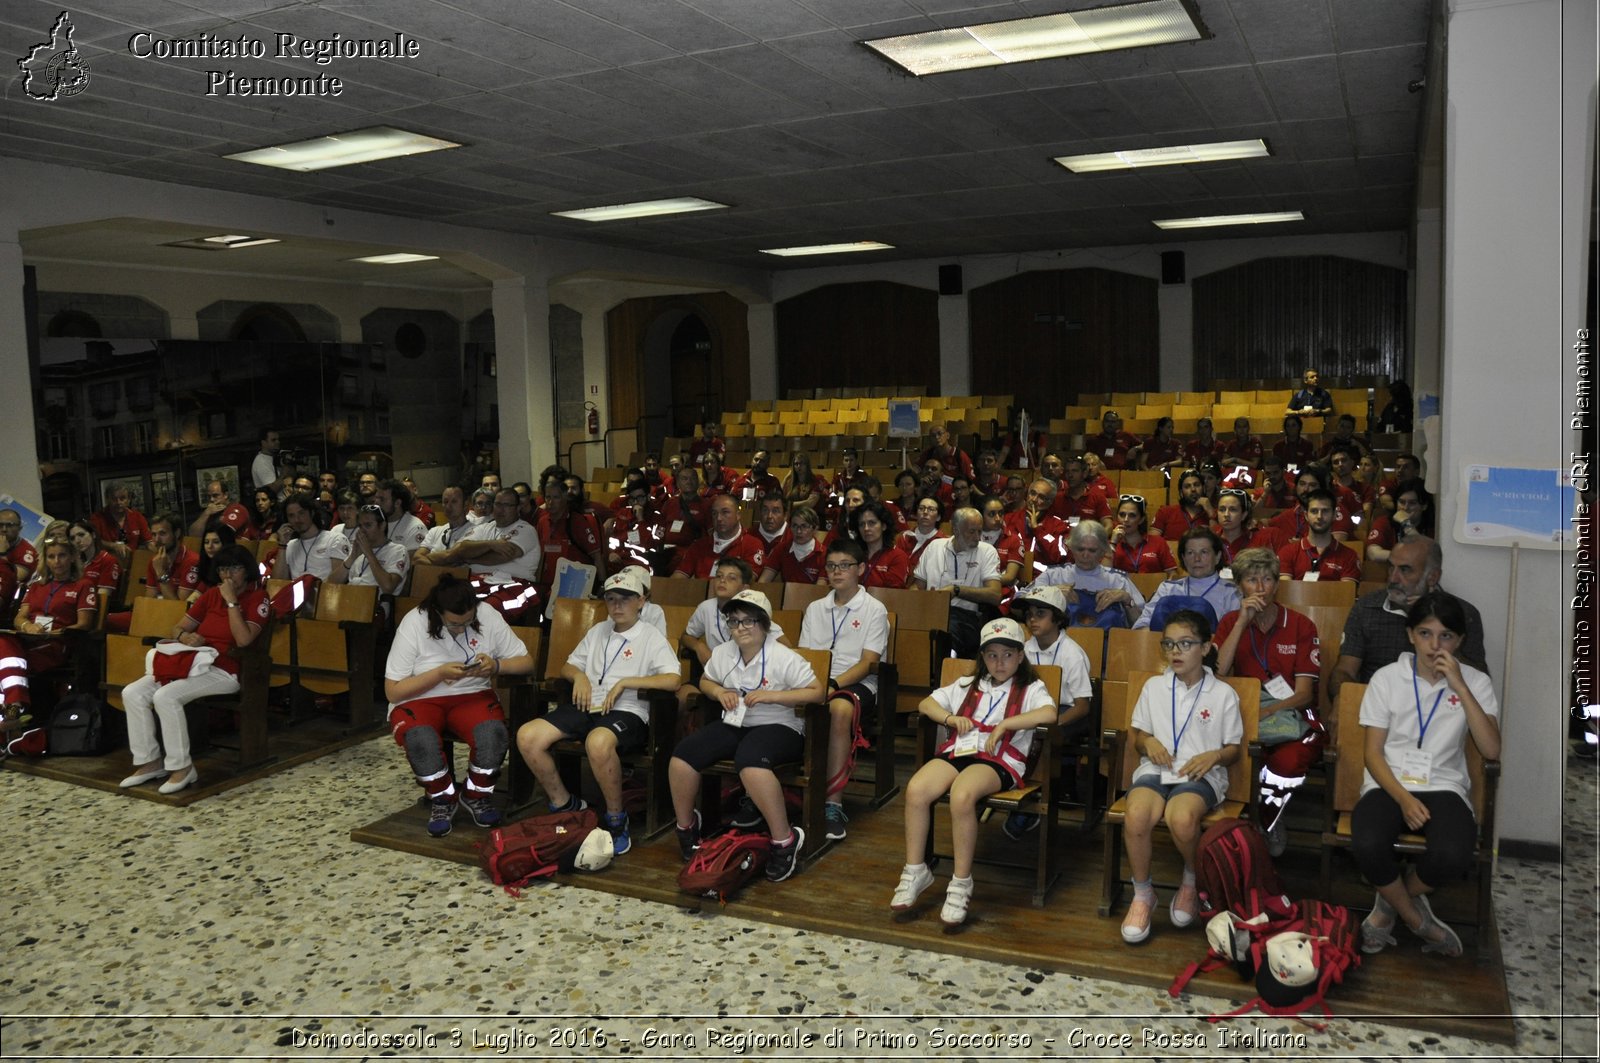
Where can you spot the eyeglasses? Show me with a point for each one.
(736, 622)
(840, 566)
(1138, 499)
(1235, 492)
(1181, 645)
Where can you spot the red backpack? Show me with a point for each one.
(724, 863)
(1233, 869)
(536, 847)
(1329, 949)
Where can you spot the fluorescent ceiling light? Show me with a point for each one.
(1022, 40)
(344, 149)
(395, 259)
(227, 242)
(827, 249)
(1230, 219)
(1180, 153)
(648, 208)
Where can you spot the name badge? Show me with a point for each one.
(734, 717)
(969, 744)
(1173, 778)
(1226, 574)
(1111, 452)
(748, 494)
(1310, 577)
(1416, 765)
(1279, 688)
(677, 526)
(633, 537)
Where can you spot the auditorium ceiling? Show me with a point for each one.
(773, 107)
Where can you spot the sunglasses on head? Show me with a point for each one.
(1237, 492)
(1137, 499)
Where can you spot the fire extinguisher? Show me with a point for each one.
(594, 418)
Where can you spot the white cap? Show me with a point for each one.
(1003, 630)
(753, 599)
(628, 580)
(596, 851)
(1044, 594)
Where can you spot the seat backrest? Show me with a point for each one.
(1147, 582)
(914, 614)
(789, 620)
(820, 661)
(677, 619)
(800, 595)
(665, 592)
(1128, 650)
(124, 664)
(1296, 593)
(345, 602)
(425, 577)
(156, 617)
(533, 639)
(955, 668)
(1352, 746)
(1093, 642)
(572, 620)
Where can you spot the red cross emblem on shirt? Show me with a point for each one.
(1453, 700)
(855, 623)
(627, 653)
(1205, 714)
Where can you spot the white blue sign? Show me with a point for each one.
(903, 418)
(1501, 506)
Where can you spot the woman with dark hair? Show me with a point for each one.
(264, 515)
(373, 561)
(197, 663)
(100, 565)
(926, 529)
(756, 683)
(887, 564)
(904, 506)
(803, 487)
(1418, 714)
(1161, 450)
(1396, 415)
(218, 536)
(1234, 527)
(1201, 552)
(1132, 549)
(439, 680)
(58, 600)
(1413, 509)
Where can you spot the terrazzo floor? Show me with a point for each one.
(250, 926)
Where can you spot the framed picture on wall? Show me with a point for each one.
(228, 474)
(137, 493)
(163, 493)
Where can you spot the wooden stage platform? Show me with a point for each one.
(1464, 998)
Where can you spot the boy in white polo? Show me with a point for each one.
(617, 659)
(854, 627)
(705, 629)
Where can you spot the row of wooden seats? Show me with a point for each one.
(1343, 398)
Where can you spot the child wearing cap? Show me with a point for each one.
(1187, 729)
(617, 659)
(1043, 611)
(987, 720)
(756, 683)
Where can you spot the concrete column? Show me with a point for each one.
(1175, 307)
(522, 352)
(17, 439)
(761, 320)
(1506, 335)
(955, 349)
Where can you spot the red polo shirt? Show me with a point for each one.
(1338, 562)
(699, 559)
(1289, 650)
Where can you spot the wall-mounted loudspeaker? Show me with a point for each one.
(1172, 267)
(950, 279)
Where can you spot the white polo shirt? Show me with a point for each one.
(1070, 658)
(606, 656)
(774, 667)
(847, 631)
(941, 566)
(442, 537)
(408, 531)
(315, 555)
(1188, 721)
(518, 531)
(392, 557)
(706, 623)
(414, 652)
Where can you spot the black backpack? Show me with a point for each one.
(77, 727)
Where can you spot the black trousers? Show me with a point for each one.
(1376, 824)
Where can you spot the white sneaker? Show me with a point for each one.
(956, 898)
(913, 880)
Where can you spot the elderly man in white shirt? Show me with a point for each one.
(969, 569)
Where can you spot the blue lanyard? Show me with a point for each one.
(467, 649)
(1416, 694)
(55, 586)
(1055, 650)
(1177, 735)
(607, 667)
(717, 616)
(743, 693)
(1215, 580)
(1259, 654)
(838, 627)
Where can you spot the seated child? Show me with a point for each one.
(987, 718)
(756, 683)
(1187, 729)
(853, 626)
(616, 660)
(1043, 612)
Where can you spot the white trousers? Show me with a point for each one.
(144, 701)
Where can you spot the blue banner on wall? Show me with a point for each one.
(1500, 506)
